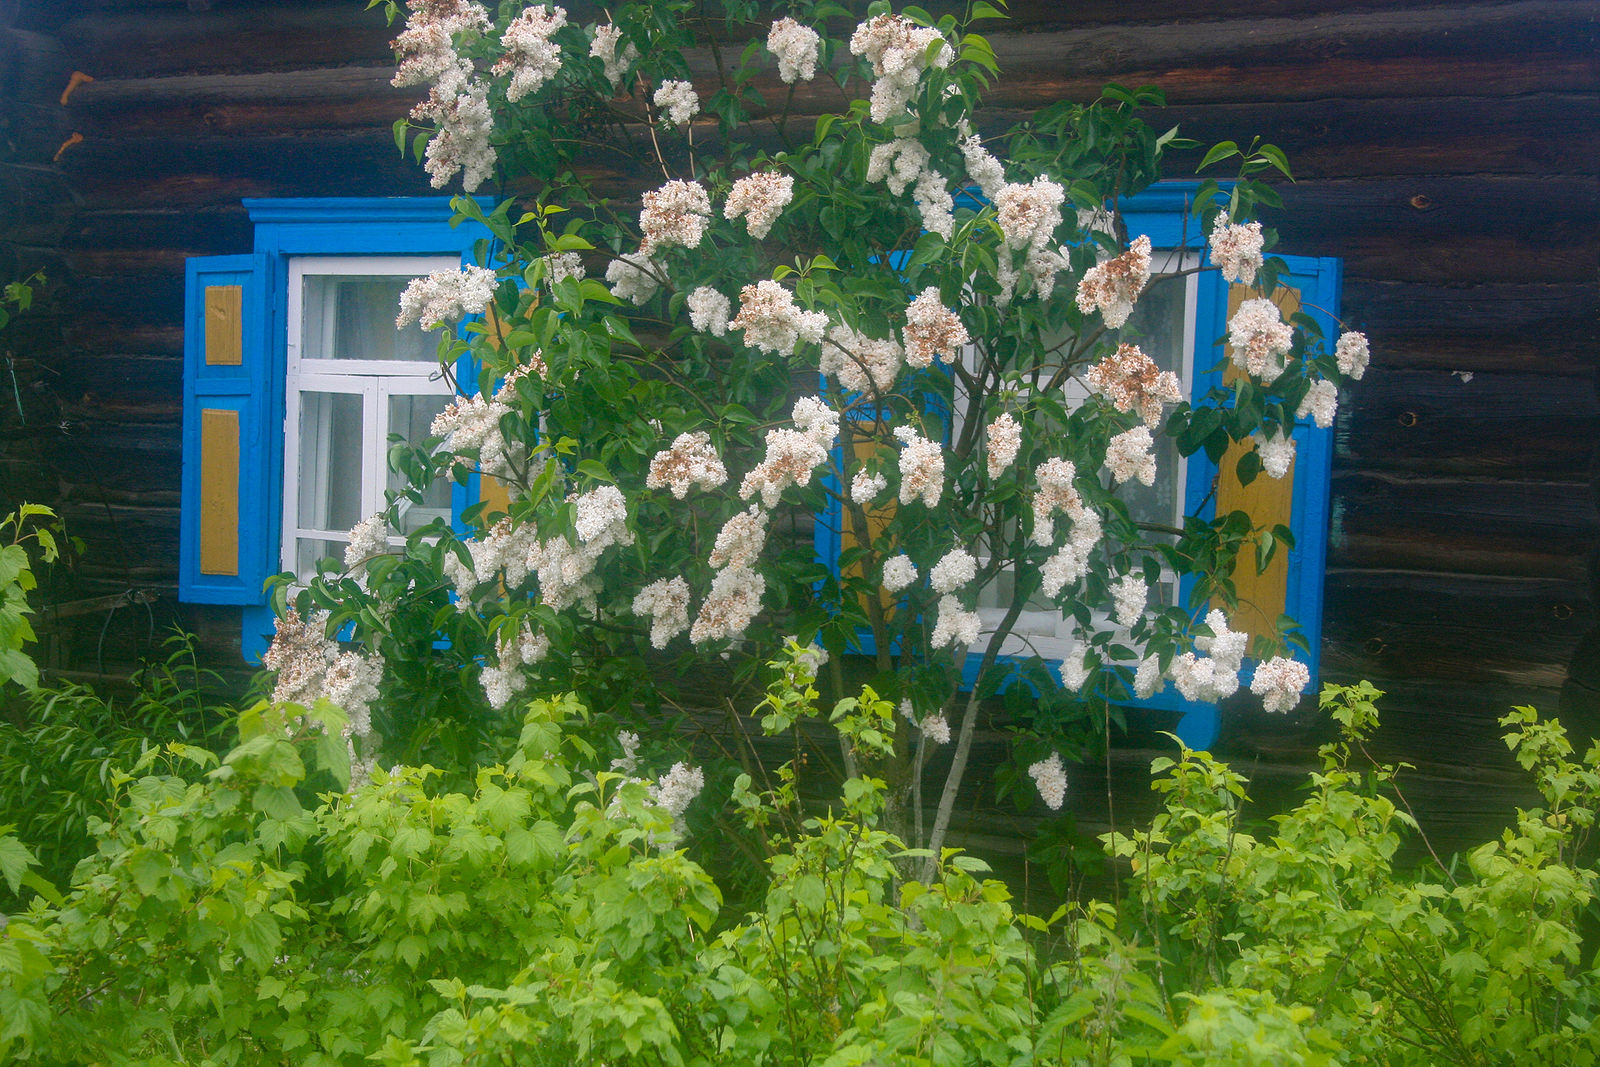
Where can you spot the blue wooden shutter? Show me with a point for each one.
(227, 529)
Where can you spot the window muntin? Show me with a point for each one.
(353, 379)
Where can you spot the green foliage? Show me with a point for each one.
(62, 745)
(245, 909)
(16, 582)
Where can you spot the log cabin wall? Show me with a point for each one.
(1447, 151)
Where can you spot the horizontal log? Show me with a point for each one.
(208, 230)
(161, 172)
(1485, 526)
(1538, 134)
(123, 542)
(100, 336)
(1454, 627)
(227, 37)
(1520, 426)
(1501, 326)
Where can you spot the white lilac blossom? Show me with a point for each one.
(865, 487)
(936, 728)
(1055, 493)
(1075, 669)
(954, 570)
(1042, 265)
(898, 51)
(675, 214)
(955, 625)
(932, 330)
(1050, 778)
(1210, 678)
(471, 426)
(792, 456)
(1129, 457)
(709, 311)
(461, 141)
(368, 538)
(741, 539)
(1321, 403)
(1258, 339)
(982, 166)
(689, 462)
(734, 600)
(1276, 450)
(1279, 682)
(797, 49)
(759, 199)
(816, 420)
(445, 296)
(1236, 249)
(531, 57)
(772, 322)
(1129, 594)
(666, 603)
(633, 277)
(604, 48)
(860, 363)
(1132, 382)
(1147, 679)
(559, 266)
(502, 549)
(1111, 287)
(897, 163)
(426, 47)
(677, 101)
(1002, 441)
(566, 570)
(1352, 354)
(935, 204)
(308, 666)
(457, 103)
(504, 680)
(628, 762)
(898, 572)
(921, 468)
(677, 789)
(1029, 214)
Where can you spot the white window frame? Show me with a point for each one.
(1052, 635)
(375, 381)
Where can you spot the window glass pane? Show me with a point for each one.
(410, 416)
(1157, 326)
(351, 317)
(308, 550)
(330, 461)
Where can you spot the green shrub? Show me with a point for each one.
(253, 909)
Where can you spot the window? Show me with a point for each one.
(1183, 325)
(294, 378)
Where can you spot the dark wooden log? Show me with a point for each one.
(1533, 529)
(1451, 626)
(1547, 328)
(206, 230)
(1522, 426)
(236, 38)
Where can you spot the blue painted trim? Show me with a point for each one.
(242, 389)
(309, 226)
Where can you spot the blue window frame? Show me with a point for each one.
(1163, 214)
(236, 357)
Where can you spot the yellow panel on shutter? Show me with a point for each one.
(224, 325)
(1268, 501)
(878, 518)
(494, 494)
(219, 491)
